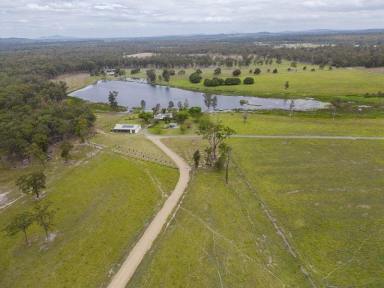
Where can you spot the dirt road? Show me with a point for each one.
(128, 268)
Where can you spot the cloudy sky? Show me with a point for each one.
(127, 18)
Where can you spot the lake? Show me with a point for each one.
(132, 92)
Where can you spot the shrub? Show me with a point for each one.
(217, 71)
(275, 71)
(257, 71)
(181, 116)
(249, 81)
(195, 111)
(195, 78)
(232, 81)
(213, 82)
(236, 72)
(135, 71)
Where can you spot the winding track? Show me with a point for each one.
(136, 255)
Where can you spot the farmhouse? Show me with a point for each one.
(162, 116)
(110, 72)
(127, 128)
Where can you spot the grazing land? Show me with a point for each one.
(349, 84)
(322, 125)
(102, 207)
(325, 195)
(54, 169)
(219, 238)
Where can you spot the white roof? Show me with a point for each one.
(126, 127)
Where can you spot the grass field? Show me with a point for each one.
(343, 83)
(219, 238)
(102, 206)
(54, 168)
(301, 125)
(327, 196)
(77, 81)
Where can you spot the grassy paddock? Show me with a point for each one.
(220, 238)
(328, 197)
(344, 83)
(102, 206)
(301, 125)
(54, 169)
(325, 194)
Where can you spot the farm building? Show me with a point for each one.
(162, 116)
(127, 128)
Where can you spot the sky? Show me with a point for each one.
(132, 18)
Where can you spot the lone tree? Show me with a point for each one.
(215, 133)
(143, 104)
(82, 128)
(166, 75)
(195, 77)
(196, 158)
(44, 217)
(243, 102)
(286, 85)
(245, 117)
(151, 76)
(335, 105)
(31, 183)
(146, 116)
(171, 105)
(66, 148)
(291, 108)
(210, 101)
(34, 151)
(112, 99)
(225, 155)
(20, 223)
(156, 109)
(257, 71)
(217, 71)
(236, 72)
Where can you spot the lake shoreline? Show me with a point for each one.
(132, 91)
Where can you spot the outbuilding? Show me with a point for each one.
(127, 128)
(163, 116)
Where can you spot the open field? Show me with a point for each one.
(219, 238)
(325, 194)
(343, 83)
(328, 195)
(301, 125)
(102, 207)
(54, 169)
(77, 81)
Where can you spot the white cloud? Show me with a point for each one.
(153, 17)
